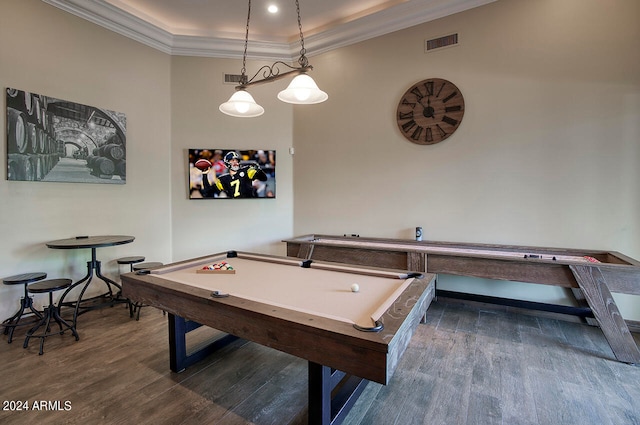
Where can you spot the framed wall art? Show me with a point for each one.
(231, 174)
(55, 140)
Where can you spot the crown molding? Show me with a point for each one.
(387, 21)
(404, 15)
(103, 14)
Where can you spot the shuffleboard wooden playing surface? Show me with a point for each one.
(594, 273)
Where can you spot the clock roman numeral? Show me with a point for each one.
(417, 92)
(416, 134)
(410, 104)
(455, 108)
(429, 86)
(441, 131)
(405, 115)
(429, 135)
(408, 126)
(451, 96)
(449, 120)
(440, 90)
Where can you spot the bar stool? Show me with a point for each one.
(130, 261)
(50, 312)
(143, 266)
(26, 302)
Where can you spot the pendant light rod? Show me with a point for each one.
(272, 73)
(301, 90)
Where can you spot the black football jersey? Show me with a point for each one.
(239, 185)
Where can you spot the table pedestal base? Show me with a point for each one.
(107, 299)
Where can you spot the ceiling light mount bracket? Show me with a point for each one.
(270, 73)
(302, 89)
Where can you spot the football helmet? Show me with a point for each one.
(227, 160)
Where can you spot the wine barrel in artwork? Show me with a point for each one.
(91, 160)
(19, 167)
(112, 151)
(37, 166)
(37, 109)
(21, 100)
(105, 166)
(42, 140)
(32, 138)
(100, 165)
(16, 131)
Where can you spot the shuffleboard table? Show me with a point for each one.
(349, 336)
(591, 274)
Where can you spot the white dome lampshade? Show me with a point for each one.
(302, 90)
(241, 104)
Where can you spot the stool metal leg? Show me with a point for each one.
(26, 302)
(50, 312)
(132, 306)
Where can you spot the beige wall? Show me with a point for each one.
(171, 105)
(47, 51)
(547, 153)
(207, 226)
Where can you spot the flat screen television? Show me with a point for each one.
(232, 173)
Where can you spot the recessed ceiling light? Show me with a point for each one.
(272, 8)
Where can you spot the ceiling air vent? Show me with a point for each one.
(440, 42)
(232, 78)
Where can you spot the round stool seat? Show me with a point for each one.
(49, 286)
(130, 260)
(51, 312)
(24, 278)
(147, 266)
(26, 302)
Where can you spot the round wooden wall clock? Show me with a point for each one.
(430, 111)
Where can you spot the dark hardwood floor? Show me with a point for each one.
(464, 366)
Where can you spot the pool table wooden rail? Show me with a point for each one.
(592, 281)
(369, 355)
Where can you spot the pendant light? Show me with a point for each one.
(302, 90)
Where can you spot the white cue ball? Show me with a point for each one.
(355, 287)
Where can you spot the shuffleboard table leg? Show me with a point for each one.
(417, 261)
(306, 251)
(582, 302)
(595, 289)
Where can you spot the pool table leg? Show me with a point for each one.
(179, 360)
(605, 310)
(324, 410)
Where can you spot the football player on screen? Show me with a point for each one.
(237, 182)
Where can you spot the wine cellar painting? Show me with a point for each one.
(54, 140)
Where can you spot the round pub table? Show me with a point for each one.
(113, 293)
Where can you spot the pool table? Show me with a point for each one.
(306, 308)
(591, 275)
